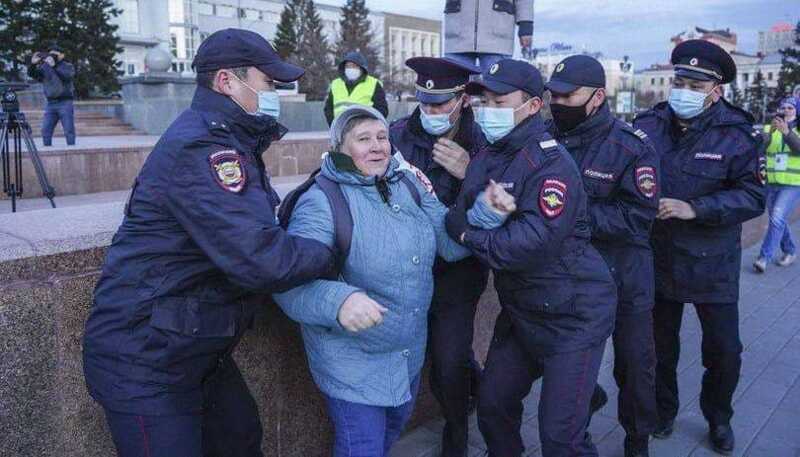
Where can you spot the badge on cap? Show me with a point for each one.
(552, 198)
(494, 68)
(646, 181)
(559, 67)
(693, 62)
(227, 169)
(429, 84)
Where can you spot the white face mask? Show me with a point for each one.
(352, 73)
(497, 122)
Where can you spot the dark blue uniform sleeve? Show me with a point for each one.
(547, 210)
(745, 197)
(237, 230)
(629, 212)
(65, 70)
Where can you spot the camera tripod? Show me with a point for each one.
(14, 132)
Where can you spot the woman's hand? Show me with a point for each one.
(359, 312)
(498, 199)
(780, 124)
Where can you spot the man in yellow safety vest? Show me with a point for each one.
(354, 86)
(782, 137)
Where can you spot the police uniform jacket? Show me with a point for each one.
(714, 166)
(619, 168)
(554, 286)
(199, 233)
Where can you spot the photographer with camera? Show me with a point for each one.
(782, 139)
(56, 75)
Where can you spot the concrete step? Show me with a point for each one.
(87, 123)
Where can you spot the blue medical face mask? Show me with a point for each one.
(269, 103)
(437, 124)
(497, 122)
(687, 103)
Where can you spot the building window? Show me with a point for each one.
(131, 69)
(129, 19)
(769, 76)
(652, 81)
(746, 77)
(661, 82)
(226, 11)
(205, 8)
(670, 80)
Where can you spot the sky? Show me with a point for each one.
(638, 28)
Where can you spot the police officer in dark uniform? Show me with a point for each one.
(439, 139)
(557, 296)
(619, 170)
(710, 185)
(199, 233)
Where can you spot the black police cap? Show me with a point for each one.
(577, 71)
(507, 76)
(231, 48)
(439, 79)
(704, 61)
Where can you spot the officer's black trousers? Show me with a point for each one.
(721, 358)
(634, 371)
(229, 425)
(567, 383)
(454, 371)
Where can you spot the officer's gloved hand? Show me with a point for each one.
(456, 222)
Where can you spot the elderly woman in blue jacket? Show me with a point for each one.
(365, 332)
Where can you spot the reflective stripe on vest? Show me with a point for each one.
(361, 95)
(783, 166)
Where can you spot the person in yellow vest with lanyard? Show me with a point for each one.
(783, 176)
(354, 86)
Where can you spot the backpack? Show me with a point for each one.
(342, 218)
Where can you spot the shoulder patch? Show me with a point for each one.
(553, 197)
(226, 166)
(761, 173)
(646, 181)
(405, 165)
(640, 133)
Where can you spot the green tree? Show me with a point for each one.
(789, 76)
(355, 34)
(81, 27)
(289, 31)
(757, 96)
(314, 54)
(16, 37)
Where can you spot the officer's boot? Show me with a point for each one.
(637, 446)
(722, 440)
(599, 399)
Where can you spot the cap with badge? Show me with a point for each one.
(575, 72)
(231, 48)
(439, 79)
(507, 76)
(704, 61)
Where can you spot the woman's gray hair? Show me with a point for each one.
(349, 119)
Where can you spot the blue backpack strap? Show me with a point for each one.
(342, 218)
(411, 188)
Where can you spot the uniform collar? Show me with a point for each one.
(255, 133)
(524, 133)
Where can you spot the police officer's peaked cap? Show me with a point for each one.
(440, 79)
(355, 57)
(577, 71)
(507, 76)
(231, 48)
(704, 61)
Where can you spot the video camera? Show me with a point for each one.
(8, 96)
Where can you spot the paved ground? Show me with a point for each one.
(767, 402)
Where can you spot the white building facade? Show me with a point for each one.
(179, 26)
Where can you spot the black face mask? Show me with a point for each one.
(569, 117)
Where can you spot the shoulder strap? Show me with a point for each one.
(290, 201)
(411, 188)
(342, 218)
